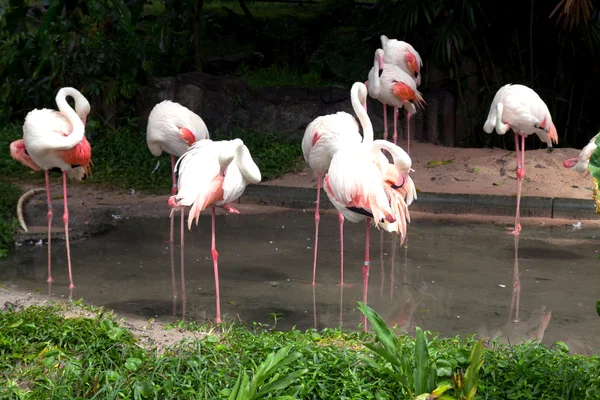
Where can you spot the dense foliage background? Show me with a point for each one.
(110, 48)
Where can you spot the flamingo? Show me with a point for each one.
(323, 137)
(56, 139)
(520, 108)
(173, 128)
(362, 184)
(389, 84)
(404, 55)
(581, 163)
(213, 174)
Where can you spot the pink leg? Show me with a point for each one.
(314, 307)
(317, 219)
(520, 176)
(385, 127)
(173, 282)
(49, 216)
(381, 263)
(365, 268)
(66, 222)
(183, 291)
(392, 277)
(341, 219)
(408, 132)
(516, 295)
(215, 257)
(395, 125)
(341, 305)
(173, 192)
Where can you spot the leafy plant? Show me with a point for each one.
(9, 195)
(594, 167)
(261, 385)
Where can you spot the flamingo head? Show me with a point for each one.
(571, 162)
(412, 63)
(82, 109)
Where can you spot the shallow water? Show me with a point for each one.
(452, 278)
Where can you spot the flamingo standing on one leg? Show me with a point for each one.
(405, 56)
(520, 108)
(581, 163)
(213, 174)
(56, 139)
(173, 128)
(323, 137)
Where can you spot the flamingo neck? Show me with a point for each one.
(67, 110)
(363, 117)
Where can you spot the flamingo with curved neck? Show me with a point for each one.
(56, 139)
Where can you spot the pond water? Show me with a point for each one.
(451, 277)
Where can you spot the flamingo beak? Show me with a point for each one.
(402, 178)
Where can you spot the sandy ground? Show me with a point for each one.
(482, 171)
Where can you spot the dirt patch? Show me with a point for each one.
(149, 333)
(482, 171)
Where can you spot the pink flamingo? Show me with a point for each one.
(520, 108)
(581, 163)
(389, 84)
(362, 184)
(56, 139)
(404, 55)
(323, 137)
(173, 128)
(213, 174)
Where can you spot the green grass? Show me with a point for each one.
(43, 355)
(276, 75)
(121, 157)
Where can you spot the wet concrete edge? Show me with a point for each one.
(435, 203)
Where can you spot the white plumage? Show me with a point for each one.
(165, 122)
(520, 108)
(393, 86)
(404, 55)
(325, 135)
(213, 173)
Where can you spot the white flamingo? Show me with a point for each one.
(323, 137)
(520, 108)
(404, 55)
(173, 128)
(56, 139)
(362, 184)
(213, 174)
(391, 85)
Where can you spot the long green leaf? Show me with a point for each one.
(385, 335)
(281, 383)
(422, 363)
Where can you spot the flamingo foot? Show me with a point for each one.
(71, 286)
(50, 280)
(516, 230)
(229, 209)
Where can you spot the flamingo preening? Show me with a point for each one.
(362, 184)
(173, 128)
(520, 108)
(323, 137)
(213, 174)
(403, 55)
(56, 139)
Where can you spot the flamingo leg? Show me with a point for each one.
(215, 256)
(381, 263)
(366, 267)
(516, 295)
(408, 132)
(393, 268)
(317, 219)
(183, 291)
(66, 222)
(49, 216)
(341, 220)
(173, 192)
(341, 304)
(520, 175)
(385, 127)
(395, 124)
(173, 282)
(314, 292)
